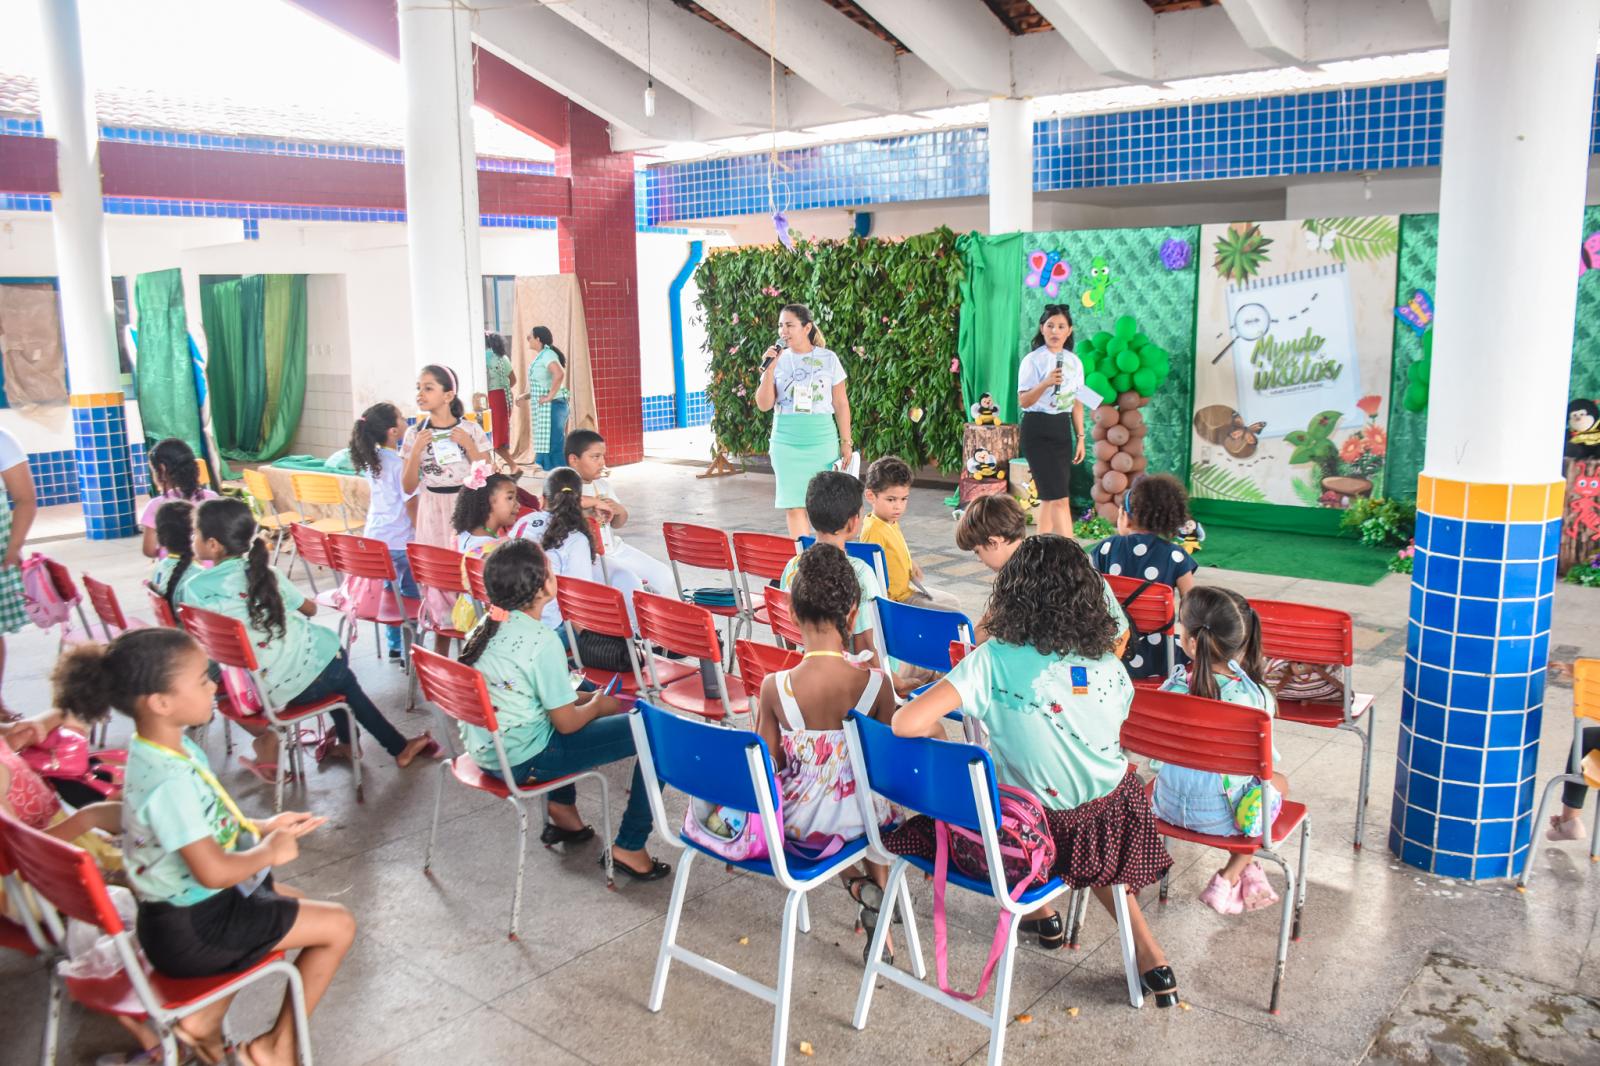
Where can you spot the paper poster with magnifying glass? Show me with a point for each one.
(1294, 341)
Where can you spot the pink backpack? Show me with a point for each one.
(734, 835)
(1027, 850)
(42, 597)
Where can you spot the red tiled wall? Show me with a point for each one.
(597, 243)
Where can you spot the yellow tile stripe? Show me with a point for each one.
(1490, 502)
(97, 399)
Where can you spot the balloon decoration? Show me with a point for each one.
(1126, 368)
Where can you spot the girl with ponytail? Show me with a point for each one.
(300, 662)
(174, 475)
(175, 535)
(1221, 634)
(549, 730)
(391, 510)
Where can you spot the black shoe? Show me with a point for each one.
(1052, 933)
(657, 871)
(554, 834)
(1162, 983)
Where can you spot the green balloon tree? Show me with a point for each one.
(1126, 368)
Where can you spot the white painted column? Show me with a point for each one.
(1515, 157)
(1010, 165)
(89, 324)
(442, 190)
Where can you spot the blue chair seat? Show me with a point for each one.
(801, 869)
(956, 877)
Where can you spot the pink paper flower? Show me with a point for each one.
(478, 475)
(955, 366)
(1352, 449)
(736, 318)
(1370, 405)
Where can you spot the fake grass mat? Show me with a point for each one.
(1293, 555)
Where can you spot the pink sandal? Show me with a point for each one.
(265, 771)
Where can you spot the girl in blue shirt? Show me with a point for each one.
(391, 510)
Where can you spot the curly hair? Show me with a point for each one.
(1049, 597)
(1157, 504)
(92, 678)
(228, 521)
(472, 505)
(889, 472)
(563, 502)
(174, 467)
(513, 576)
(999, 516)
(825, 590)
(175, 533)
(1225, 629)
(368, 436)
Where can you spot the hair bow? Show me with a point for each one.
(478, 475)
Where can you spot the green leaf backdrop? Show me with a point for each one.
(888, 308)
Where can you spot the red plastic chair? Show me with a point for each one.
(26, 936)
(1155, 610)
(70, 882)
(227, 643)
(780, 617)
(687, 629)
(473, 568)
(762, 556)
(958, 651)
(598, 608)
(438, 569)
(159, 608)
(103, 598)
(460, 692)
(1321, 635)
(756, 661)
(600, 547)
(311, 548)
(1223, 738)
(369, 559)
(707, 548)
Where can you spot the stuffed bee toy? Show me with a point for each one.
(985, 412)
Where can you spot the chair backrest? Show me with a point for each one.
(779, 614)
(599, 536)
(472, 565)
(1201, 734)
(871, 554)
(163, 611)
(679, 627)
(1306, 634)
(921, 635)
(311, 544)
(224, 639)
(459, 690)
(762, 555)
(436, 568)
(1586, 689)
(1155, 608)
(757, 660)
(63, 874)
(708, 762)
(61, 578)
(257, 485)
(320, 489)
(592, 606)
(361, 557)
(928, 776)
(958, 651)
(702, 546)
(205, 473)
(106, 607)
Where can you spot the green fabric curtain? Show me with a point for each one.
(256, 334)
(168, 403)
(991, 299)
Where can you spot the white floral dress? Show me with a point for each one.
(817, 787)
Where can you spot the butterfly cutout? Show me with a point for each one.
(1418, 313)
(1321, 242)
(1589, 254)
(1047, 270)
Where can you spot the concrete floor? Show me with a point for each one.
(433, 978)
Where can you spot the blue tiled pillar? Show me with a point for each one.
(1477, 641)
(105, 469)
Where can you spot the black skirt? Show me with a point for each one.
(1047, 444)
(224, 933)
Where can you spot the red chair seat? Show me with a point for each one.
(15, 937)
(387, 615)
(115, 995)
(668, 671)
(1149, 682)
(689, 694)
(469, 773)
(305, 710)
(720, 611)
(1324, 715)
(1290, 815)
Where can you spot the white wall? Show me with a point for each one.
(325, 412)
(661, 256)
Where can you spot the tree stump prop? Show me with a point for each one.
(1002, 442)
(1580, 514)
(1118, 448)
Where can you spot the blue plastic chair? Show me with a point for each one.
(732, 768)
(924, 775)
(921, 636)
(871, 554)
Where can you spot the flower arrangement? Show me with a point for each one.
(1403, 559)
(1176, 253)
(1091, 525)
(1587, 576)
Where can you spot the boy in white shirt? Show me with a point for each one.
(586, 453)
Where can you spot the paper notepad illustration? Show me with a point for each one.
(1294, 348)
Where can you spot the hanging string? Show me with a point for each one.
(772, 99)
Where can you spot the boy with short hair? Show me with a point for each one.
(833, 507)
(586, 453)
(888, 486)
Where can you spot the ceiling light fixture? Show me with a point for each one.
(649, 80)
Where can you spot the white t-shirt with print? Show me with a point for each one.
(805, 383)
(1037, 365)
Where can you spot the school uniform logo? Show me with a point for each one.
(1080, 680)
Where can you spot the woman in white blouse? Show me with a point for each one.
(1052, 416)
(805, 383)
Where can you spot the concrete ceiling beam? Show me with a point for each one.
(1115, 37)
(959, 39)
(846, 63)
(1275, 28)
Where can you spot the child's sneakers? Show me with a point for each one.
(1255, 888)
(1222, 896)
(1565, 829)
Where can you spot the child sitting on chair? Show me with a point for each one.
(485, 509)
(586, 453)
(888, 485)
(1144, 548)
(833, 507)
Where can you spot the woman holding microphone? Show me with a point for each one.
(1052, 416)
(805, 383)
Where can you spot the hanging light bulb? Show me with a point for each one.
(650, 99)
(649, 78)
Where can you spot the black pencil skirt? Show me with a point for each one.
(1047, 443)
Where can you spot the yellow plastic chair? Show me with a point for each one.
(1585, 712)
(205, 473)
(275, 522)
(322, 490)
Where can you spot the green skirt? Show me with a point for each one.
(801, 447)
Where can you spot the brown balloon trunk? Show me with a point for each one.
(1118, 444)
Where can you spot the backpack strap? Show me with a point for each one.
(790, 706)
(869, 695)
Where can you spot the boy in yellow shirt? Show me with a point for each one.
(888, 485)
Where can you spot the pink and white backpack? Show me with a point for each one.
(41, 596)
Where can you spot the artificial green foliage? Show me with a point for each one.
(1418, 375)
(1360, 239)
(887, 308)
(1093, 526)
(1415, 268)
(1123, 360)
(1208, 481)
(1313, 444)
(1240, 252)
(1380, 523)
(1587, 576)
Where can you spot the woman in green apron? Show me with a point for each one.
(804, 383)
(17, 508)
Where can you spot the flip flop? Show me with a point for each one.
(265, 771)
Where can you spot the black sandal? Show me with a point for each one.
(657, 871)
(1162, 983)
(1051, 931)
(867, 913)
(553, 834)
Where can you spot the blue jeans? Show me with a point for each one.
(408, 589)
(604, 740)
(552, 453)
(337, 679)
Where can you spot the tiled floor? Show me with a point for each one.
(434, 979)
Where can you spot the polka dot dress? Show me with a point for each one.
(1144, 556)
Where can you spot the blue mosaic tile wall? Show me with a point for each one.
(55, 474)
(659, 411)
(252, 214)
(103, 462)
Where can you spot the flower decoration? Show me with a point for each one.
(478, 475)
(1176, 253)
(1370, 405)
(955, 366)
(1352, 449)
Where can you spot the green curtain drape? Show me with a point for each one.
(256, 334)
(168, 403)
(988, 340)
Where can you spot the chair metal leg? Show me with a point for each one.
(895, 886)
(1594, 836)
(1164, 886)
(408, 640)
(1538, 824)
(355, 757)
(1366, 777)
(302, 1020)
(522, 861)
(1300, 876)
(805, 914)
(1130, 961)
(438, 802)
(913, 941)
(792, 907)
(1078, 903)
(286, 754)
(1002, 995)
(605, 832)
(1288, 907)
(669, 932)
(52, 1017)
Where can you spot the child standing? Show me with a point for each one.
(207, 901)
(1149, 516)
(888, 485)
(586, 453)
(174, 475)
(1221, 634)
(833, 507)
(299, 661)
(1053, 697)
(549, 730)
(391, 510)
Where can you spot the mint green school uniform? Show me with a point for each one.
(864, 577)
(1054, 721)
(166, 806)
(288, 664)
(161, 576)
(525, 668)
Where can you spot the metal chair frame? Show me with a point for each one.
(1585, 710)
